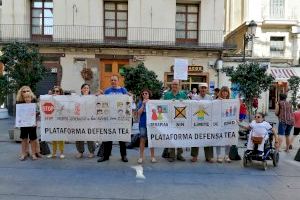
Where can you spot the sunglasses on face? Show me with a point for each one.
(145, 93)
(24, 91)
(257, 117)
(56, 91)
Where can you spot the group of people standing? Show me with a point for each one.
(25, 95)
(175, 93)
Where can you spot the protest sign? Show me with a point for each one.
(192, 123)
(86, 118)
(26, 115)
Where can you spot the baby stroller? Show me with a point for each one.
(270, 153)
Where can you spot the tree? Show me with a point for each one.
(294, 83)
(252, 80)
(139, 77)
(22, 66)
(4, 89)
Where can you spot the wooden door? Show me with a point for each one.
(109, 68)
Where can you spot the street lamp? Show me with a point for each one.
(249, 35)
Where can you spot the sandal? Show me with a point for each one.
(194, 159)
(33, 157)
(79, 155)
(153, 160)
(219, 160)
(140, 160)
(210, 160)
(227, 159)
(39, 155)
(22, 157)
(91, 155)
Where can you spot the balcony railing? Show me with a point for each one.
(94, 36)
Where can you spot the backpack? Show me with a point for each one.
(44, 148)
(233, 153)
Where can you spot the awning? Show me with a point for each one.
(282, 74)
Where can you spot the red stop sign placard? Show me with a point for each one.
(48, 108)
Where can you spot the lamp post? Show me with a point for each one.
(249, 35)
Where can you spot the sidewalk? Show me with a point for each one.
(85, 178)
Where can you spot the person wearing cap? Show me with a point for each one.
(176, 94)
(208, 151)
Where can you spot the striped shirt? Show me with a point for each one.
(286, 113)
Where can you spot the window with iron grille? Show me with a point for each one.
(277, 46)
(277, 8)
(42, 17)
(187, 22)
(115, 20)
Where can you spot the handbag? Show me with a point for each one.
(233, 153)
(44, 147)
(257, 139)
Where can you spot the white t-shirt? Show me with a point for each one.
(260, 129)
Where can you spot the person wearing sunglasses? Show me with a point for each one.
(145, 97)
(259, 128)
(25, 95)
(57, 90)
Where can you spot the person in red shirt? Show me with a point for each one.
(296, 126)
(243, 110)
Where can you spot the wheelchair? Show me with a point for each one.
(270, 153)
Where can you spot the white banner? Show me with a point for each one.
(86, 118)
(25, 115)
(192, 123)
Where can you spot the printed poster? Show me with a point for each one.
(86, 118)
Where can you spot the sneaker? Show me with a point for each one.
(62, 156)
(51, 156)
(153, 160)
(140, 160)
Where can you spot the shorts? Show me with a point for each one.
(242, 116)
(296, 130)
(143, 132)
(284, 129)
(28, 132)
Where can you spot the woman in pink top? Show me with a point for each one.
(296, 125)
